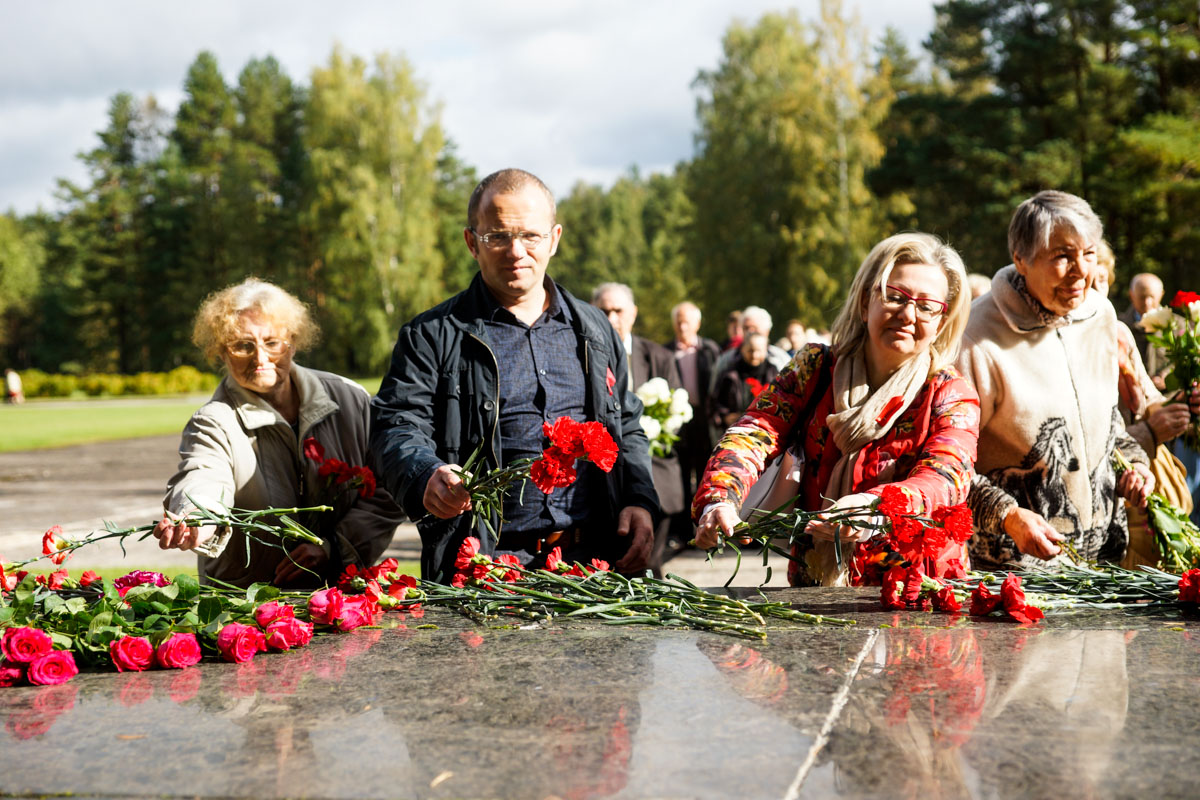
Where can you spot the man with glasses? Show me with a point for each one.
(481, 372)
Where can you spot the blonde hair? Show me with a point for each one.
(1106, 261)
(219, 318)
(850, 327)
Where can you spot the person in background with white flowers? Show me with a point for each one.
(648, 360)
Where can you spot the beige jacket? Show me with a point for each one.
(238, 452)
(1049, 422)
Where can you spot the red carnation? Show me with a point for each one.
(88, 578)
(53, 544)
(599, 565)
(566, 435)
(554, 560)
(55, 580)
(983, 602)
(957, 521)
(509, 560)
(314, 450)
(601, 449)
(368, 481)
(1013, 598)
(466, 552)
(944, 599)
(1183, 298)
(1189, 586)
(891, 594)
(550, 472)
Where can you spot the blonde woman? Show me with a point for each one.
(244, 448)
(881, 405)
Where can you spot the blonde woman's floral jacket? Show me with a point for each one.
(929, 452)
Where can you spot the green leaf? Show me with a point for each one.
(187, 586)
(259, 593)
(208, 609)
(61, 640)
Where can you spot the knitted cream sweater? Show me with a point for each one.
(1049, 421)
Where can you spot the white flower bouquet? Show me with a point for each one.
(665, 412)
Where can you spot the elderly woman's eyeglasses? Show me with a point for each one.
(927, 309)
(502, 240)
(244, 348)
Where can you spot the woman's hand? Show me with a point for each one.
(305, 555)
(174, 534)
(1194, 400)
(1136, 484)
(719, 520)
(1032, 534)
(823, 530)
(1167, 420)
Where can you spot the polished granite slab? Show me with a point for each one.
(904, 704)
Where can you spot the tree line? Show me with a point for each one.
(811, 144)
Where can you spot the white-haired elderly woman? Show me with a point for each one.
(1041, 350)
(883, 406)
(245, 447)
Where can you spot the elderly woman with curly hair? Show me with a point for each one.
(883, 406)
(245, 447)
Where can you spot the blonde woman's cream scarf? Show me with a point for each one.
(861, 416)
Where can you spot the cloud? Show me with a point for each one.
(573, 90)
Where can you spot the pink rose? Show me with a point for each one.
(289, 632)
(357, 611)
(325, 606)
(55, 667)
(178, 651)
(238, 643)
(267, 613)
(133, 653)
(138, 577)
(24, 645)
(10, 673)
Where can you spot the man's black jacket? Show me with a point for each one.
(439, 402)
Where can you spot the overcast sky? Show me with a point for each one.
(569, 89)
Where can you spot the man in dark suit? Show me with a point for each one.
(648, 360)
(1145, 294)
(695, 356)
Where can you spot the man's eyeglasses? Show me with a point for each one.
(244, 348)
(502, 240)
(927, 308)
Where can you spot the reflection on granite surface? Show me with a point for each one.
(1097, 705)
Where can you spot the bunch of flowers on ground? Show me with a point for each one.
(1176, 330)
(1175, 535)
(664, 412)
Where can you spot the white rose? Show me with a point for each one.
(673, 424)
(680, 405)
(1157, 320)
(654, 391)
(651, 427)
(1194, 310)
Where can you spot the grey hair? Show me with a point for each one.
(612, 286)
(1035, 220)
(675, 309)
(757, 311)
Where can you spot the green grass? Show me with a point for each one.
(35, 426)
(42, 424)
